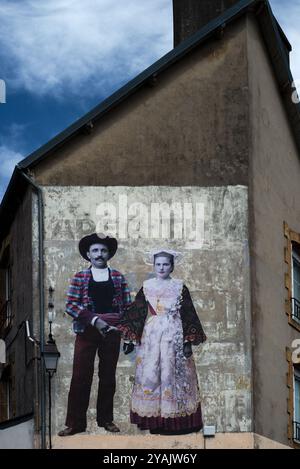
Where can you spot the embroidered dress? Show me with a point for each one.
(166, 393)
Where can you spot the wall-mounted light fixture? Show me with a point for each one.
(51, 356)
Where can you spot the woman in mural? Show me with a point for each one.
(164, 325)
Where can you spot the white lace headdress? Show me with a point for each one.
(177, 256)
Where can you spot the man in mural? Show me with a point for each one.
(97, 298)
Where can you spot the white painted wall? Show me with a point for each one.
(18, 436)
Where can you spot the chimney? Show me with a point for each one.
(191, 15)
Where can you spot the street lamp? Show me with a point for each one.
(51, 356)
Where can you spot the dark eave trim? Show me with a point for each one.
(287, 43)
(11, 200)
(280, 61)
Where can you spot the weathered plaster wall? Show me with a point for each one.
(190, 129)
(274, 196)
(215, 268)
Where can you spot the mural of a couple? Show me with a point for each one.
(161, 323)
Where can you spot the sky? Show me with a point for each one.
(60, 58)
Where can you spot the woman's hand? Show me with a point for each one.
(128, 347)
(187, 349)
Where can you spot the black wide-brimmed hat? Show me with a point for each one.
(94, 238)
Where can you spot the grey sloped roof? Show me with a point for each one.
(274, 38)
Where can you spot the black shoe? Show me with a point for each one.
(110, 427)
(70, 431)
(157, 431)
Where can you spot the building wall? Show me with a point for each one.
(209, 269)
(274, 196)
(19, 436)
(190, 129)
(19, 351)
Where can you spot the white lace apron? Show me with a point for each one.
(166, 382)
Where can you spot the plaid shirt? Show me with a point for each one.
(80, 306)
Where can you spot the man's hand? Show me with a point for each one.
(104, 328)
(128, 347)
(100, 324)
(110, 329)
(187, 349)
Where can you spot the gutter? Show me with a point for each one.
(39, 193)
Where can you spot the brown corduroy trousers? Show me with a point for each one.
(86, 346)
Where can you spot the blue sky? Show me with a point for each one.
(60, 58)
